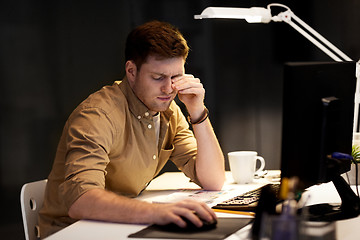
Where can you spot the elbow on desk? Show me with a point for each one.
(74, 213)
(214, 188)
(214, 185)
(78, 208)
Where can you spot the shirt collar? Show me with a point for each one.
(136, 106)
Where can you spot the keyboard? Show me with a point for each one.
(247, 201)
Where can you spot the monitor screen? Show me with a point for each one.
(318, 108)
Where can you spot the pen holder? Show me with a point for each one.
(276, 227)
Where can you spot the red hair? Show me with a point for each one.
(156, 38)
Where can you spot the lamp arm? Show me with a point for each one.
(321, 38)
(324, 44)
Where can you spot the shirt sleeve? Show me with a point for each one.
(88, 137)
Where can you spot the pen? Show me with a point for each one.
(234, 212)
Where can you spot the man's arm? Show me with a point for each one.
(210, 159)
(210, 168)
(100, 204)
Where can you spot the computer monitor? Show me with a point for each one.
(318, 108)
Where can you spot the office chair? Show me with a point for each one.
(31, 199)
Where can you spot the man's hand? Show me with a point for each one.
(191, 92)
(173, 213)
(100, 204)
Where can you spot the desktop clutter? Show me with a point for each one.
(293, 219)
(280, 211)
(274, 210)
(272, 222)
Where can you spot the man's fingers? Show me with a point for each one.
(179, 213)
(185, 82)
(189, 209)
(182, 77)
(201, 209)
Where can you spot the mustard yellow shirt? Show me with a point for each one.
(109, 142)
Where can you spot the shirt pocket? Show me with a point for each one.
(166, 153)
(164, 157)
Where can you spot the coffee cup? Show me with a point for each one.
(243, 165)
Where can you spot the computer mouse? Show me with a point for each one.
(190, 227)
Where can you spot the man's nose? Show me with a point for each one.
(167, 88)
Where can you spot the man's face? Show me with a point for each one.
(152, 84)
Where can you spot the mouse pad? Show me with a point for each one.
(224, 228)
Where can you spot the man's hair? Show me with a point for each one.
(156, 38)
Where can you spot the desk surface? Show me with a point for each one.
(169, 183)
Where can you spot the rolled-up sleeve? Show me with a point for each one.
(88, 140)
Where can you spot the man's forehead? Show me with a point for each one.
(166, 67)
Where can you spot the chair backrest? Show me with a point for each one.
(31, 199)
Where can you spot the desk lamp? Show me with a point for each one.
(263, 15)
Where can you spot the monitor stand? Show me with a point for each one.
(349, 207)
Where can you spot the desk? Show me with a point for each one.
(165, 185)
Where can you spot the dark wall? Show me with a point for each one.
(53, 54)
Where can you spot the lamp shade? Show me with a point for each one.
(251, 15)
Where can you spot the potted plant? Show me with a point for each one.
(353, 175)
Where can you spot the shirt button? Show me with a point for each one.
(154, 156)
(146, 114)
(149, 126)
(139, 117)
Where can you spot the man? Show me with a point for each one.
(119, 138)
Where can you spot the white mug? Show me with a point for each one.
(243, 165)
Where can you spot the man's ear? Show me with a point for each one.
(130, 70)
